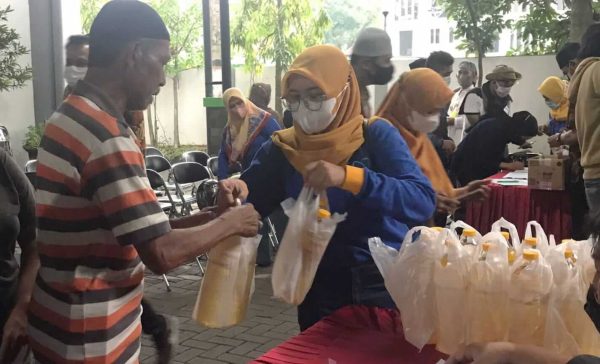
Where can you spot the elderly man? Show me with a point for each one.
(99, 221)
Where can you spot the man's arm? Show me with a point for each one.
(198, 219)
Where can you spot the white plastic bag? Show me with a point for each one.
(487, 300)
(408, 277)
(515, 242)
(530, 284)
(542, 240)
(303, 244)
(450, 276)
(462, 225)
(228, 283)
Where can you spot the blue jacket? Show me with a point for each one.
(395, 195)
(264, 135)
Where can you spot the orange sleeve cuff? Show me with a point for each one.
(355, 178)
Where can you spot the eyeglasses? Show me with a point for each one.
(312, 102)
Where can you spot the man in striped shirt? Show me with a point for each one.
(99, 221)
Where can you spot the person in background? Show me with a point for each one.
(418, 63)
(554, 92)
(567, 59)
(493, 98)
(508, 353)
(481, 153)
(457, 123)
(442, 63)
(17, 225)
(412, 105)
(77, 52)
(260, 95)
(248, 127)
(364, 169)
(372, 62)
(584, 89)
(99, 223)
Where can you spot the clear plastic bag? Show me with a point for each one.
(542, 243)
(530, 284)
(303, 244)
(487, 299)
(450, 276)
(472, 241)
(514, 249)
(408, 277)
(228, 282)
(569, 330)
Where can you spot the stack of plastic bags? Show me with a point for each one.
(455, 291)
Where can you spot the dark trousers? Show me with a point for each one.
(153, 323)
(336, 288)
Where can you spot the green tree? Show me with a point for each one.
(347, 19)
(276, 31)
(478, 24)
(185, 27)
(88, 11)
(12, 74)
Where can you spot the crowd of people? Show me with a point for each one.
(78, 294)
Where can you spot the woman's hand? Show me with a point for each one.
(14, 336)
(322, 175)
(474, 191)
(230, 191)
(445, 204)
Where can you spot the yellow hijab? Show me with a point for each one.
(555, 89)
(329, 69)
(421, 90)
(238, 128)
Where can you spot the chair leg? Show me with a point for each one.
(167, 283)
(272, 234)
(200, 265)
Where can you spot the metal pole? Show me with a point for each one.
(208, 80)
(385, 14)
(225, 44)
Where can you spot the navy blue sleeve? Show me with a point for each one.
(223, 171)
(265, 179)
(265, 134)
(398, 188)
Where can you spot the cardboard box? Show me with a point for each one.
(547, 173)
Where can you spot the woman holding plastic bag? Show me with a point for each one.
(364, 170)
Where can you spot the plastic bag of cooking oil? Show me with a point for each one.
(487, 300)
(512, 237)
(469, 238)
(408, 277)
(304, 241)
(529, 289)
(539, 241)
(227, 284)
(451, 277)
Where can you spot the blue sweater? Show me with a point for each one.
(264, 135)
(395, 195)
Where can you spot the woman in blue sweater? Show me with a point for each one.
(248, 127)
(366, 171)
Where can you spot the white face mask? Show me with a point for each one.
(74, 74)
(313, 122)
(448, 79)
(424, 123)
(503, 91)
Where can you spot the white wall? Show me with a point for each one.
(17, 105)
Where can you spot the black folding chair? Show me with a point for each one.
(167, 203)
(213, 166)
(196, 156)
(158, 163)
(31, 171)
(206, 193)
(153, 151)
(186, 173)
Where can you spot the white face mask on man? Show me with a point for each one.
(424, 123)
(74, 74)
(313, 122)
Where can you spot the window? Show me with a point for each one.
(451, 35)
(402, 8)
(416, 13)
(406, 38)
(409, 7)
(495, 48)
(434, 36)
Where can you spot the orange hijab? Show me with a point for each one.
(421, 90)
(329, 69)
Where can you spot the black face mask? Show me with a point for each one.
(382, 75)
(593, 308)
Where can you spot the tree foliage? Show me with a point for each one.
(347, 19)
(12, 74)
(88, 11)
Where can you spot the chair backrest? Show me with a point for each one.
(31, 176)
(213, 165)
(31, 166)
(157, 163)
(190, 172)
(153, 151)
(196, 156)
(206, 194)
(155, 179)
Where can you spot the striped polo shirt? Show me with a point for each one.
(94, 202)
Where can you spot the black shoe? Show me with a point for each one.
(166, 340)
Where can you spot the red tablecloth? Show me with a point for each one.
(519, 205)
(352, 335)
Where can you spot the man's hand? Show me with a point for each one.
(448, 146)
(322, 175)
(244, 220)
(445, 204)
(475, 191)
(14, 336)
(230, 190)
(543, 129)
(513, 166)
(554, 141)
(489, 353)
